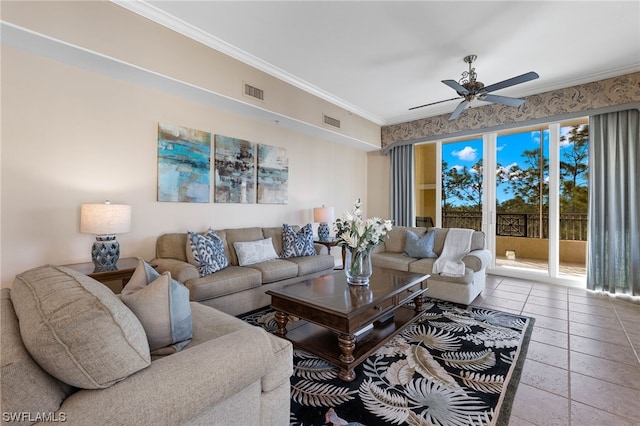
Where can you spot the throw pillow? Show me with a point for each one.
(420, 247)
(206, 252)
(162, 306)
(250, 252)
(26, 387)
(77, 329)
(297, 244)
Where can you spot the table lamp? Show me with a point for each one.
(105, 220)
(323, 215)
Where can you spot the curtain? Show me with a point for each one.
(402, 200)
(614, 203)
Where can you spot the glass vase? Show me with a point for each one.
(357, 266)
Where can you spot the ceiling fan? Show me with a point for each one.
(469, 88)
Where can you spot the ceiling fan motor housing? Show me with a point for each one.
(473, 87)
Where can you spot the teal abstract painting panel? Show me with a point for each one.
(235, 170)
(273, 175)
(184, 164)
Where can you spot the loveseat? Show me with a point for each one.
(73, 353)
(238, 289)
(458, 289)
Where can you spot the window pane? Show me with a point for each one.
(574, 197)
(462, 184)
(522, 200)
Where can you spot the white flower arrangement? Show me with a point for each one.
(358, 234)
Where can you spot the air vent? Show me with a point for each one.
(331, 121)
(254, 92)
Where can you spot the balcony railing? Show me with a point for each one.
(573, 226)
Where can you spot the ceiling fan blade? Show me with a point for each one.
(511, 82)
(434, 103)
(456, 113)
(456, 86)
(504, 100)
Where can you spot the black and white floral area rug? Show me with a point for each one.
(460, 366)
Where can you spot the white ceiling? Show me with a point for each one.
(379, 58)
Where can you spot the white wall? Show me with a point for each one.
(72, 136)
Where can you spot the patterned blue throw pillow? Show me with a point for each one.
(296, 244)
(206, 252)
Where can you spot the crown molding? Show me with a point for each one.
(160, 17)
(45, 46)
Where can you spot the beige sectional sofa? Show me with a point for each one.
(457, 289)
(94, 365)
(239, 289)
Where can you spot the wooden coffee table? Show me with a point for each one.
(334, 314)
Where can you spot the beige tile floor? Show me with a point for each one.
(583, 363)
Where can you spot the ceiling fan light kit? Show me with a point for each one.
(469, 88)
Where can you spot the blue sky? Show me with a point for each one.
(509, 149)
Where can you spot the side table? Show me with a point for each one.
(332, 243)
(125, 266)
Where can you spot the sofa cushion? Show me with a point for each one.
(276, 236)
(389, 260)
(230, 280)
(297, 243)
(77, 329)
(312, 264)
(275, 270)
(26, 387)
(396, 238)
(241, 234)
(210, 323)
(251, 252)
(162, 306)
(206, 252)
(477, 240)
(420, 247)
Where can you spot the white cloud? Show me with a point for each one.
(505, 173)
(535, 137)
(501, 147)
(458, 167)
(466, 154)
(511, 166)
(565, 143)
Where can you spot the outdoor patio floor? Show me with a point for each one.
(578, 270)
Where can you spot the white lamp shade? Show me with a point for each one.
(323, 214)
(105, 219)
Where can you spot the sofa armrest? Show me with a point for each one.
(477, 260)
(179, 270)
(380, 248)
(178, 387)
(321, 248)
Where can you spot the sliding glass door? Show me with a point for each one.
(527, 189)
(462, 184)
(522, 200)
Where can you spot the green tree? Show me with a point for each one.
(527, 183)
(574, 170)
(464, 185)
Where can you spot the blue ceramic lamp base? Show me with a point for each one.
(105, 253)
(323, 231)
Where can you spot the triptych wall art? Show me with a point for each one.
(184, 168)
(244, 172)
